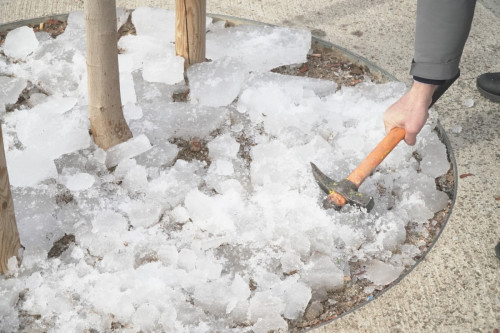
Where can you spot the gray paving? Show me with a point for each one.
(457, 287)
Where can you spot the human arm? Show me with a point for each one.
(441, 32)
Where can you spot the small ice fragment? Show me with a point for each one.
(469, 102)
(122, 15)
(381, 273)
(272, 323)
(12, 266)
(223, 146)
(78, 182)
(128, 149)
(10, 89)
(20, 42)
(457, 129)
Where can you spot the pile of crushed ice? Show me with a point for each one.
(165, 244)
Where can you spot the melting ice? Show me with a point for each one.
(238, 242)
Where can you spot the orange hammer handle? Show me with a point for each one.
(369, 164)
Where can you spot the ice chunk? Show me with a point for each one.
(29, 167)
(322, 275)
(282, 103)
(312, 87)
(290, 262)
(132, 111)
(179, 215)
(273, 162)
(20, 42)
(168, 255)
(381, 273)
(222, 168)
(271, 323)
(213, 297)
(240, 292)
(146, 317)
(213, 214)
(140, 47)
(126, 150)
(10, 89)
(162, 154)
(434, 156)
(163, 68)
(263, 304)
(127, 90)
(122, 15)
(123, 168)
(53, 104)
(136, 179)
(186, 260)
(109, 222)
(216, 83)
(125, 63)
(155, 22)
(223, 146)
(260, 47)
(182, 120)
(9, 317)
(36, 98)
(78, 182)
(297, 296)
(60, 133)
(171, 187)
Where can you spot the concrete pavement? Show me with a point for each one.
(456, 288)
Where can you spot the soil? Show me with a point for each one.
(324, 63)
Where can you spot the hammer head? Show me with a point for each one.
(345, 188)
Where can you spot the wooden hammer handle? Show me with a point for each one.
(369, 164)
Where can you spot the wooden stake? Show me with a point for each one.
(190, 30)
(9, 235)
(106, 114)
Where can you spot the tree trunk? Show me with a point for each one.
(107, 122)
(190, 30)
(9, 236)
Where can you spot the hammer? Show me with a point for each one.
(346, 190)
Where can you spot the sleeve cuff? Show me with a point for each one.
(428, 81)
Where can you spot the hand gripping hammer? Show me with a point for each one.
(346, 190)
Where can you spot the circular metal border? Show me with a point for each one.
(353, 58)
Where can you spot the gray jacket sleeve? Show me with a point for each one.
(441, 31)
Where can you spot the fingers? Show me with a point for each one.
(411, 138)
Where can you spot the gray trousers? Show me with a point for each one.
(441, 31)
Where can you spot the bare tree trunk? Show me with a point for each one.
(9, 236)
(106, 114)
(190, 30)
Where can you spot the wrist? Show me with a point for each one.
(423, 92)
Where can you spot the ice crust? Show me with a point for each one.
(238, 242)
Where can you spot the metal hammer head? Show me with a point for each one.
(345, 188)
